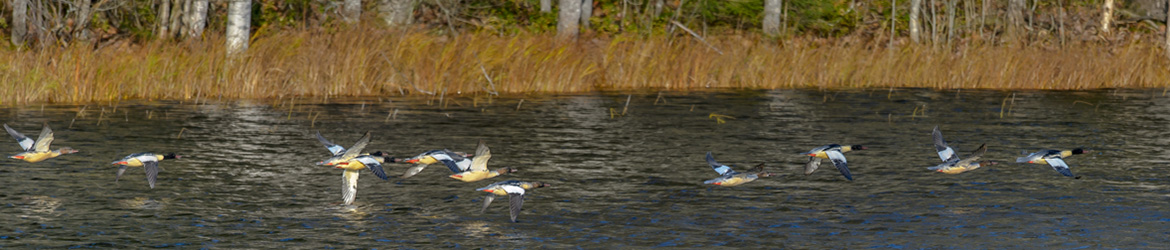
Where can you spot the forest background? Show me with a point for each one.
(78, 51)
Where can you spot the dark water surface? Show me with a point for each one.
(248, 180)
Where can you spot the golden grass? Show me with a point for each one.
(379, 63)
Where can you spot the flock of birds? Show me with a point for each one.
(473, 167)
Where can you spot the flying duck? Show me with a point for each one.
(951, 163)
(515, 192)
(832, 152)
(729, 177)
(466, 170)
(149, 161)
(1055, 158)
(36, 151)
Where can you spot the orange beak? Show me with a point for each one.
(1031, 162)
(812, 154)
(121, 163)
(17, 157)
(412, 161)
(457, 176)
(718, 183)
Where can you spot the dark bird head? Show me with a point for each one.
(172, 156)
(857, 147)
(1078, 151)
(538, 184)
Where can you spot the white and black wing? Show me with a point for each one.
(333, 148)
(719, 168)
(25, 142)
(449, 162)
(482, 155)
(1059, 165)
(372, 164)
(946, 153)
(839, 161)
(515, 200)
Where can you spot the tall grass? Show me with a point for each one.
(378, 62)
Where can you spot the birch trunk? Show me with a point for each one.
(771, 22)
(19, 21)
(84, 12)
(239, 24)
(176, 18)
(351, 11)
(1015, 13)
(1106, 16)
(164, 19)
(1166, 42)
(396, 12)
(915, 27)
(586, 13)
(196, 18)
(568, 18)
(545, 6)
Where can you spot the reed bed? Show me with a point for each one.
(356, 63)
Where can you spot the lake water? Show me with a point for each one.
(635, 181)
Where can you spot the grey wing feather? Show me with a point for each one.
(482, 155)
(44, 140)
(121, 169)
(414, 170)
(1059, 165)
(358, 147)
(25, 142)
(487, 200)
(332, 147)
(813, 164)
(719, 168)
(151, 172)
(515, 201)
(839, 160)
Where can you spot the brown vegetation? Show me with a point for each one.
(378, 62)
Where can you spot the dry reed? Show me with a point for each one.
(378, 63)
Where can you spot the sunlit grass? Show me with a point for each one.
(370, 62)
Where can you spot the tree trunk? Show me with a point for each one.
(586, 13)
(164, 19)
(196, 18)
(397, 12)
(915, 27)
(658, 4)
(84, 12)
(239, 24)
(545, 6)
(568, 18)
(771, 23)
(176, 18)
(19, 21)
(351, 11)
(1015, 13)
(1166, 6)
(1107, 16)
